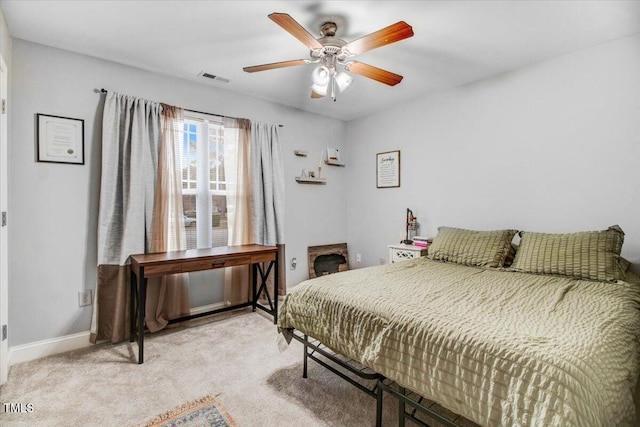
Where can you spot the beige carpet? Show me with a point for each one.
(234, 357)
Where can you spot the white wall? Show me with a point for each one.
(553, 147)
(54, 206)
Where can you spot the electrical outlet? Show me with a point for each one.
(358, 257)
(85, 297)
(294, 263)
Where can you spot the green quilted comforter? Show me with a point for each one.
(497, 347)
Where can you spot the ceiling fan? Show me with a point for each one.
(331, 52)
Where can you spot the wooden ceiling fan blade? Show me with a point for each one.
(316, 95)
(391, 34)
(375, 73)
(296, 30)
(275, 65)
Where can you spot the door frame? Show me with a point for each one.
(4, 275)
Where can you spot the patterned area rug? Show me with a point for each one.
(203, 412)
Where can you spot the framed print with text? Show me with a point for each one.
(388, 169)
(60, 139)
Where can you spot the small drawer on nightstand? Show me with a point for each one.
(402, 252)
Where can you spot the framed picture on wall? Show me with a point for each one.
(60, 139)
(388, 169)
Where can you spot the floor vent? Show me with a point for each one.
(213, 77)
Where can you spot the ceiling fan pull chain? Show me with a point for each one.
(333, 87)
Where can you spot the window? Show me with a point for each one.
(203, 182)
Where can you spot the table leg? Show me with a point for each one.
(142, 297)
(275, 289)
(254, 284)
(132, 305)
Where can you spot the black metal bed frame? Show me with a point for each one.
(382, 384)
(415, 401)
(313, 347)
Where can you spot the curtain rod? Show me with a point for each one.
(195, 111)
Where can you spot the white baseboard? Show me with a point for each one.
(39, 349)
(209, 307)
(48, 347)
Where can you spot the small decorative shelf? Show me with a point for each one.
(300, 153)
(305, 180)
(333, 163)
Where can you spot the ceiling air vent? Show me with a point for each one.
(213, 77)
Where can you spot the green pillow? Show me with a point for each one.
(472, 247)
(593, 255)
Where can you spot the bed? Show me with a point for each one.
(549, 338)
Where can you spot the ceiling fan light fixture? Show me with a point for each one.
(320, 89)
(321, 76)
(344, 81)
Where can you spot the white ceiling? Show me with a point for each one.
(455, 42)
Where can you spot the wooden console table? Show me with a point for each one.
(145, 266)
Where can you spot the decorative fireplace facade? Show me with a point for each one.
(327, 259)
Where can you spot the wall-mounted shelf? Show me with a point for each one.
(333, 163)
(305, 180)
(300, 153)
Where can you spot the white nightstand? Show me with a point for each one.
(402, 252)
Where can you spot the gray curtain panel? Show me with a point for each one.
(267, 185)
(131, 138)
(267, 181)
